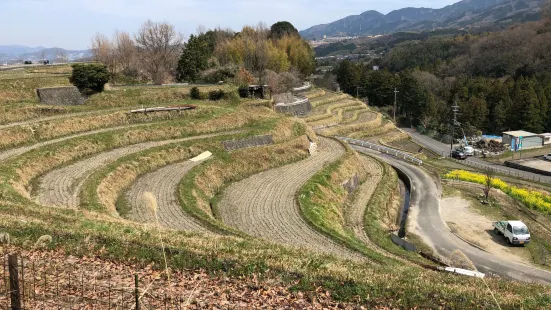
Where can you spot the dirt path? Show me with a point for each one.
(24, 149)
(264, 205)
(477, 229)
(61, 187)
(163, 184)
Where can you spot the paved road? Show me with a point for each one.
(425, 204)
(441, 148)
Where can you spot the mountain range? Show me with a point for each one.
(18, 53)
(463, 14)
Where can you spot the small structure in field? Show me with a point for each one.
(527, 139)
(66, 95)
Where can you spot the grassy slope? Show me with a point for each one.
(88, 233)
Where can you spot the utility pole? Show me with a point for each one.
(395, 100)
(455, 109)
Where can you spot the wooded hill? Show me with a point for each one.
(500, 80)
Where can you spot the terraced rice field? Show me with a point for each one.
(61, 187)
(163, 184)
(264, 205)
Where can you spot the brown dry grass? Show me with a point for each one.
(146, 95)
(24, 134)
(328, 98)
(373, 131)
(330, 198)
(11, 114)
(342, 130)
(40, 161)
(24, 89)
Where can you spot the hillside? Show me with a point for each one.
(16, 53)
(463, 14)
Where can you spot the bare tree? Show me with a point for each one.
(159, 46)
(125, 50)
(104, 51)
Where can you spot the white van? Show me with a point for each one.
(516, 232)
(468, 150)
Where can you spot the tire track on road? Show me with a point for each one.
(264, 205)
(61, 187)
(163, 184)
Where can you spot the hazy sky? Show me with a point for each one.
(71, 23)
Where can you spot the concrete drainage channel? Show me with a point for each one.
(398, 239)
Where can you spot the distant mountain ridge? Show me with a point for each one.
(15, 53)
(463, 14)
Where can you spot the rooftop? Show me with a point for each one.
(520, 133)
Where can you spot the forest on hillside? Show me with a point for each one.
(157, 53)
(500, 80)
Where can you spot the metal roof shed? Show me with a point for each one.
(529, 140)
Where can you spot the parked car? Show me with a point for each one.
(458, 154)
(547, 157)
(468, 150)
(516, 232)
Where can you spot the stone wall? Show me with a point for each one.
(231, 145)
(68, 95)
(352, 184)
(301, 107)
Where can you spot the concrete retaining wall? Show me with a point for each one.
(68, 95)
(247, 143)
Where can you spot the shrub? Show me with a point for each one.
(195, 93)
(89, 78)
(232, 97)
(216, 95)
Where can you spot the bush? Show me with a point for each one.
(216, 95)
(195, 93)
(232, 97)
(89, 78)
(28, 62)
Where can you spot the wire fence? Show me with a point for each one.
(29, 283)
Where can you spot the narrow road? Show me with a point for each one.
(427, 223)
(264, 204)
(441, 148)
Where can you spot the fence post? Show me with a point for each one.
(15, 296)
(136, 292)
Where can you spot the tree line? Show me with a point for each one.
(158, 53)
(486, 104)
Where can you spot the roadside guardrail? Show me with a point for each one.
(382, 149)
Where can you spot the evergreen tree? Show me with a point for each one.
(502, 110)
(348, 77)
(193, 60)
(527, 107)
